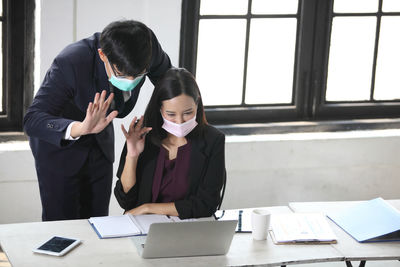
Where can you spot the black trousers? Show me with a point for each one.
(83, 195)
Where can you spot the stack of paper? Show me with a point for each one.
(301, 227)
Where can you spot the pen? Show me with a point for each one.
(240, 221)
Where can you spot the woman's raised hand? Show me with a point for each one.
(135, 137)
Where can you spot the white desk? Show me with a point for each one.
(346, 245)
(17, 241)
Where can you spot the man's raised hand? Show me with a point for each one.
(96, 119)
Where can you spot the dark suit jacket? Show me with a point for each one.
(206, 176)
(73, 79)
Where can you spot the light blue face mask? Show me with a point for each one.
(125, 84)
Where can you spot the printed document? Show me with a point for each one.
(301, 227)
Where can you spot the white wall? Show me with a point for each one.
(262, 170)
(65, 21)
(276, 169)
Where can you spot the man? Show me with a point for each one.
(69, 124)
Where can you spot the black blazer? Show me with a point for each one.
(73, 79)
(206, 176)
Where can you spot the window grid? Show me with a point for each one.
(249, 16)
(314, 25)
(18, 55)
(379, 14)
(3, 91)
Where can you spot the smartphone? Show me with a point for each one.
(57, 246)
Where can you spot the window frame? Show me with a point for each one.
(18, 62)
(314, 20)
(346, 110)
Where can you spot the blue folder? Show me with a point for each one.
(370, 221)
(243, 217)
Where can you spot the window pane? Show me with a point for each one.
(270, 61)
(220, 60)
(391, 6)
(350, 58)
(274, 6)
(223, 7)
(387, 79)
(355, 6)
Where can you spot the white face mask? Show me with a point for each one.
(179, 130)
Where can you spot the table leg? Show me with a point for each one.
(4, 260)
(362, 264)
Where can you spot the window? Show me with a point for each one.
(17, 51)
(290, 60)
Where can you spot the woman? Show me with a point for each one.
(175, 164)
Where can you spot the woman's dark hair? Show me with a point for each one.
(127, 45)
(175, 82)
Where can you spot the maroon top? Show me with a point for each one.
(171, 180)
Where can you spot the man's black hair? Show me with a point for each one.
(127, 45)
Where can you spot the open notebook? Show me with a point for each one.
(127, 225)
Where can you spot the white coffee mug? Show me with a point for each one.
(260, 220)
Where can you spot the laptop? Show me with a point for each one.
(183, 239)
